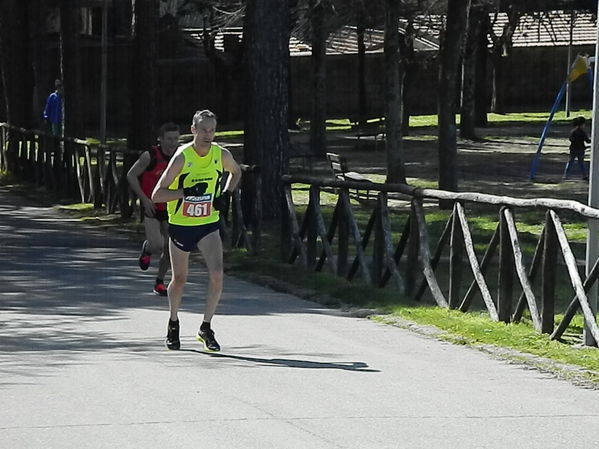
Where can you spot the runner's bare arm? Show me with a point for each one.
(133, 175)
(141, 164)
(230, 165)
(162, 193)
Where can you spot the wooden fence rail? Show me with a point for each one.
(97, 174)
(409, 265)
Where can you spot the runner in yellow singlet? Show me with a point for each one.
(191, 187)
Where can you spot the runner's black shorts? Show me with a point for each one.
(160, 215)
(186, 238)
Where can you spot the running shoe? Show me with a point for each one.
(160, 289)
(208, 340)
(172, 335)
(144, 257)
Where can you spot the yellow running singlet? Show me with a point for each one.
(206, 170)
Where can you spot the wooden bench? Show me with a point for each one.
(341, 171)
(374, 129)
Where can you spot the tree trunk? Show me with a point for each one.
(266, 140)
(2, 96)
(143, 129)
(143, 88)
(17, 74)
(468, 111)
(393, 87)
(70, 63)
(502, 46)
(498, 99)
(318, 139)
(481, 95)
(292, 116)
(408, 64)
(226, 65)
(450, 53)
(44, 79)
(361, 72)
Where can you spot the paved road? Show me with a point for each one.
(82, 365)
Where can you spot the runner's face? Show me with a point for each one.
(204, 131)
(170, 141)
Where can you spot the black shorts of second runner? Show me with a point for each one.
(160, 215)
(186, 238)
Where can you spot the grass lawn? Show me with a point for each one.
(494, 119)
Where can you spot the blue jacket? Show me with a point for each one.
(53, 109)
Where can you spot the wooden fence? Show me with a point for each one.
(97, 174)
(410, 266)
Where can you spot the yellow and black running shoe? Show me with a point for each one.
(206, 337)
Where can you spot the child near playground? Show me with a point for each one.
(578, 138)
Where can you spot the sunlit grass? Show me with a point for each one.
(503, 119)
(477, 328)
(77, 207)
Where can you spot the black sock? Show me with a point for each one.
(159, 281)
(173, 323)
(205, 326)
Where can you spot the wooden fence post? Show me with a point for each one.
(456, 259)
(3, 147)
(256, 225)
(548, 272)
(312, 231)
(506, 271)
(286, 241)
(413, 253)
(70, 178)
(378, 245)
(343, 237)
(100, 172)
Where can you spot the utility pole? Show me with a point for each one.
(568, 66)
(593, 226)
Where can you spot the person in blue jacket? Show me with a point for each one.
(53, 110)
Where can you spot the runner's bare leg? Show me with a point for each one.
(179, 268)
(211, 248)
(164, 263)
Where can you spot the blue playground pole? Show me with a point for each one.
(556, 103)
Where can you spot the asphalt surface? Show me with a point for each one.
(83, 364)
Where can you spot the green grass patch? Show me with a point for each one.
(118, 141)
(477, 328)
(338, 290)
(504, 119)
(77, 207)
(232, 133)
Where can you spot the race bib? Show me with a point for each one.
(197, 206)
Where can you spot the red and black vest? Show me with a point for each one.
(150, 177)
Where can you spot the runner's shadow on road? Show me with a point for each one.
(292, 363)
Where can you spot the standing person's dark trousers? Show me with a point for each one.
(577, 155)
